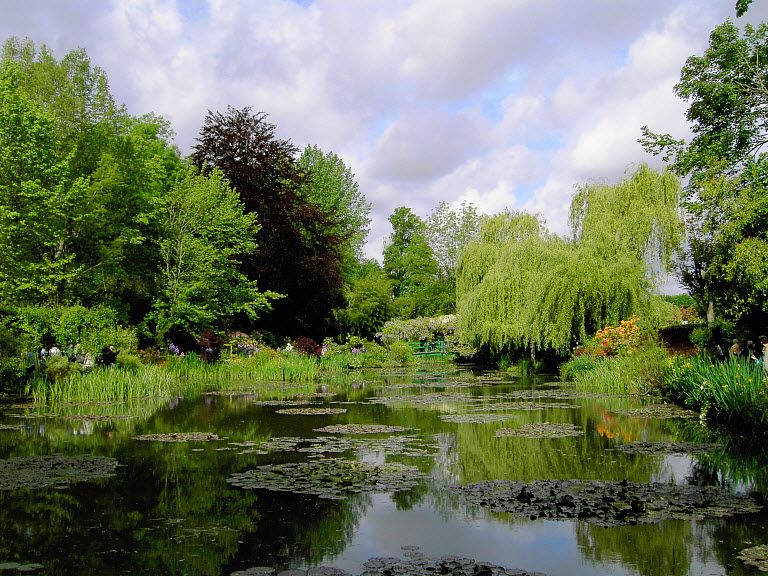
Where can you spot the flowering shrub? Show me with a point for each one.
(613, 340)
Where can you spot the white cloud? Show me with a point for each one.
(509, 103)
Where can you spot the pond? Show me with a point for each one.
(442, 472)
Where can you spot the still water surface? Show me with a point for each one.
(168, 508)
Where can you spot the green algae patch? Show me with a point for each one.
(756, 556)
(361, 429)
(331, 478)
(54, 471)
(311, 411)
(541, 430)
(478, 418)
(605, 503)
(666, 448)
(179, 437)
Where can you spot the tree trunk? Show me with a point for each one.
(710, 317)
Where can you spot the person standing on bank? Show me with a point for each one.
(764, 358)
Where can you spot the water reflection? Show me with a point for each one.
(170, 510)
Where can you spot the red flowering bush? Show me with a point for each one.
(307, 346)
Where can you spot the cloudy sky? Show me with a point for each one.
(501, 103)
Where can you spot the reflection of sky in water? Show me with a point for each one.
(546, 546)
(674, 469)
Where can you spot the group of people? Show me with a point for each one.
(757, 353)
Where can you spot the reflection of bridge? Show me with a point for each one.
(436, 348)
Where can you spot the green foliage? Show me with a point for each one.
(96, 170)
(700, 338)
(331, 185)
(742, 6)
(205, 232)
(726, 163)
(369, 303)
(448, 230)
(400, 353)
(680, 300)
(127, 361)
(639, 216)
(409, 262)
(301, 250)
(734, 389)
(38, 200)
(521, 288)
(59, 368)
(639, 372)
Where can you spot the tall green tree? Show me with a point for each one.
(331, 185)
(448, 230)
(39, 201)
(725, 161)
(204, 233)
(369, 302)
(521, 288)
(410, 264)
(300, 250)
(121, 164)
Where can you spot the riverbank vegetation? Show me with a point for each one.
(245, 259)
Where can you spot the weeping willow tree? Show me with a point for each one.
(521, 287)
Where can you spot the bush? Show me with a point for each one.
(59, 368)
(128, 361)
(400, 353)
(700, 338)
(638, 372)
(307, 346)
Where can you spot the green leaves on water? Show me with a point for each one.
(57, 471)
(332, 478)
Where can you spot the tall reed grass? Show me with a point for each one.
(734, 389)
(640, 371)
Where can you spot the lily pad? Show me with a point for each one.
(541, 430)
(478, 418)
(280, 402)
(404, 445)
(666, 448)
(361, 429)
(659, 411)
(430, 399)
(523, 406)
(756, 556)
(179, 437)
(311, 411)
(56, 470)
(96, 417)
(332, 478)
(605, 503)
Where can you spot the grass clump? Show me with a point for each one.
(636, 371)
(734, 389)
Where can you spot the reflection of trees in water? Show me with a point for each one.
(664, 549)
(299, 529)
(483, 456)
(738, 461)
